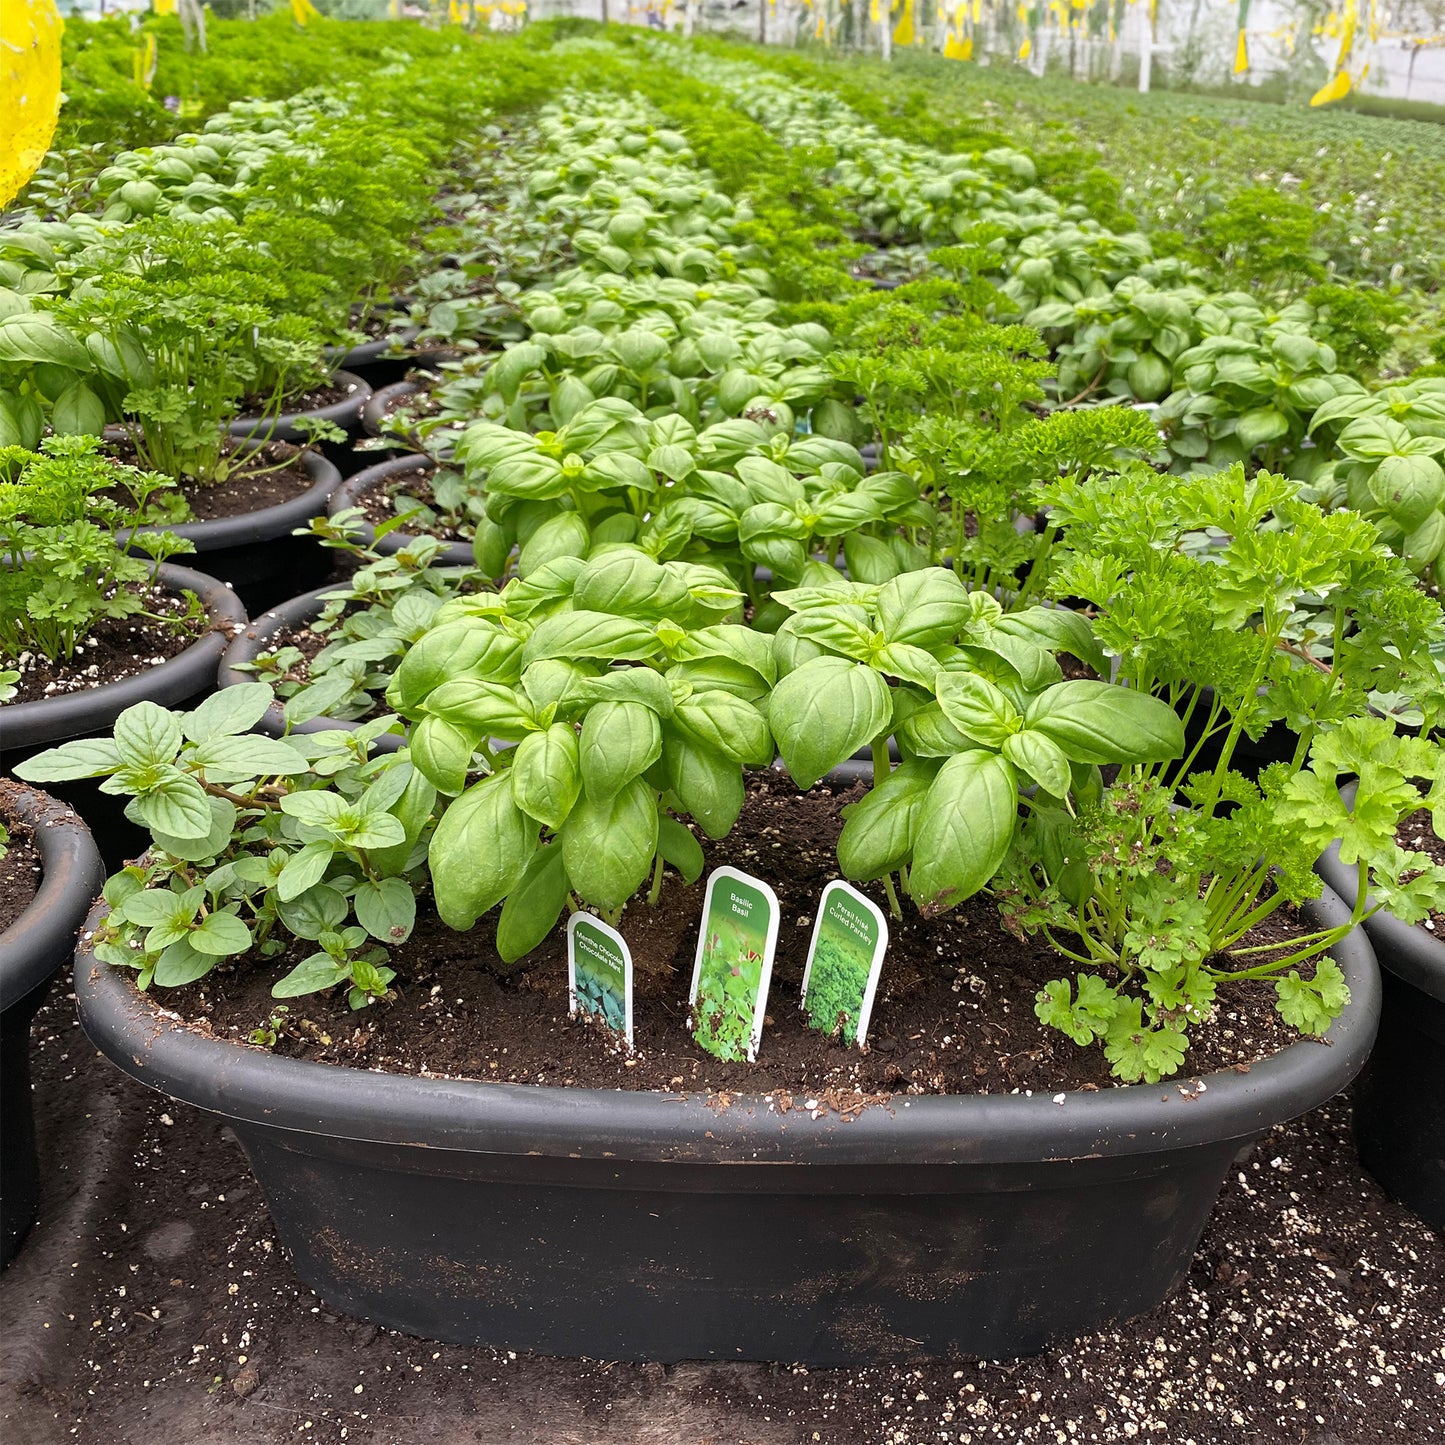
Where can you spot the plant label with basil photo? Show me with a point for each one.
(599, 973)
(734, 964)
(845, 959)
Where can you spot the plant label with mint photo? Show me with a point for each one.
(845, 959)
(734, 964)
(599, 973)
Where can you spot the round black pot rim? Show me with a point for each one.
(349, 493)
(365, 352)
(71, 875)
(1407, 950)
(477, 1116)
(346, 412)
(53, 719)
(378, 405)
(251, 641)
(267, 524)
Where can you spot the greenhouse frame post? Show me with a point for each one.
(1146, 46)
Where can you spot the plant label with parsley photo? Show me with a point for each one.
(734, 964)
(599, 973)
(845, 959)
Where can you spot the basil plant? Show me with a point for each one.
(977, 703)
(572, 720)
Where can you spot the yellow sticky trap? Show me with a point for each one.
(304, 10)
(165, 7)
(1336, 89)
(1027, 48)
(145, 62)
(29, 88)
(1241, 56)
(958, 49)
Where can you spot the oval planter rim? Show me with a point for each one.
(54, 719)
(346, 412)
(249, 642)
(71, 871)
(478, 1116)
(1407, 950)
(265, 524)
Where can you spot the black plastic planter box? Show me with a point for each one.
(27, 728)
(255, 553)
(1400, 1096)
(648, 1226)
(31, 950)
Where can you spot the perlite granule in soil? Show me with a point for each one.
(152, 1303)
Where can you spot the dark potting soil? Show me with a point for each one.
(1417, 835)
(383, 502)
(312, 399)
(954, 1011)
(116, 648)
(279, 476)
(20, 865)
(153, 1302)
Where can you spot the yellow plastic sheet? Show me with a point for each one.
(29, 88)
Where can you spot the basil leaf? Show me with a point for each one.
(706, 785)
(879, 829)
(620, 741)
(608, 845)
(532, 908)
(678, 847)
(546, 774)
(727, 725)
(964, 830)
(591, 634)
(479, 851)
(1099, 722)
(1042, 759)
(822, 712)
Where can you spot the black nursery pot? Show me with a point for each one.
(31, 950)
(649, 1226)
(1400, 1096)
(350, 493)
(27, 728)
(256, 553)
(345, 413)
(263, 635)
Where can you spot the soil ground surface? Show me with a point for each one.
(251, 489)
(153, 1303)
(276, 475)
